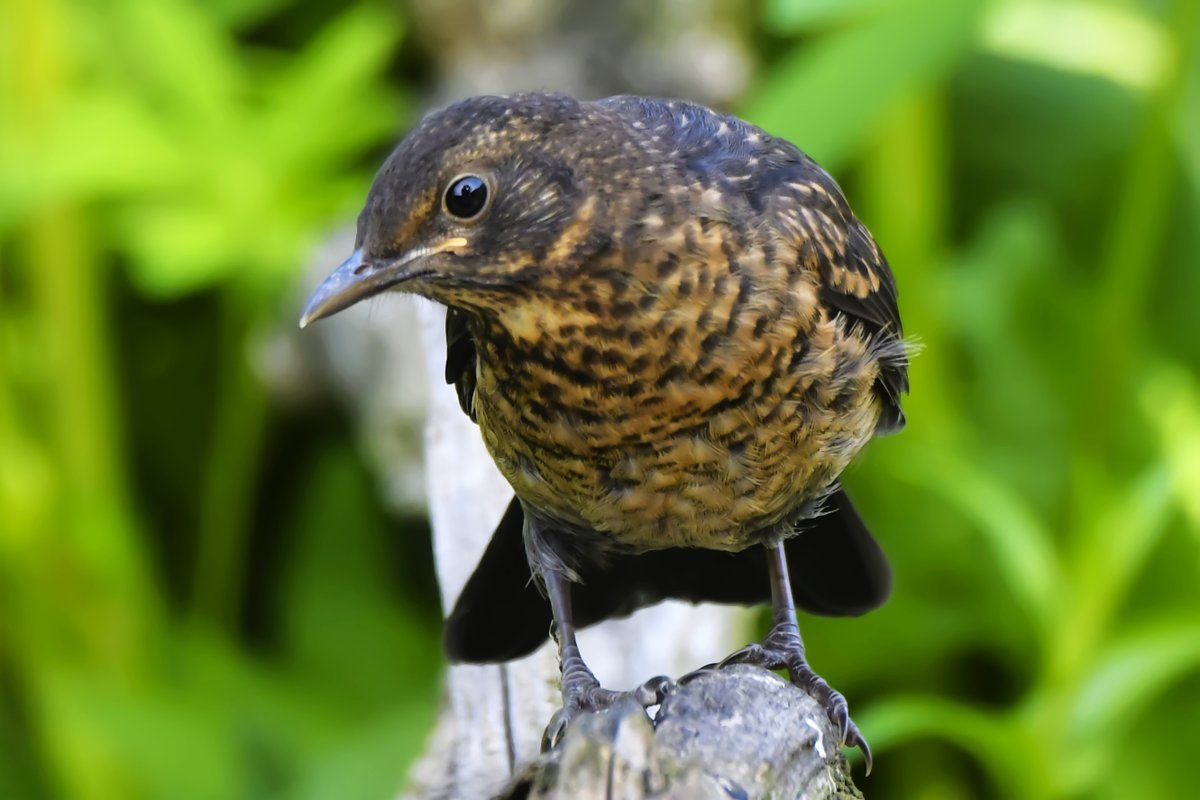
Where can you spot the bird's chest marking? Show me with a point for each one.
(529, 321)
(671, 426)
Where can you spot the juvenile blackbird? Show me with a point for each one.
(674, 335)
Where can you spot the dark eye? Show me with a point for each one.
(466, 196)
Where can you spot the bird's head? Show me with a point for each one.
(481, 198)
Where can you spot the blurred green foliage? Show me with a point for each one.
(200, 595)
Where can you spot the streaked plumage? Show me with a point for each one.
(672, 332)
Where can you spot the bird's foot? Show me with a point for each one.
(596, 698)
(582, 693)
(783, 649)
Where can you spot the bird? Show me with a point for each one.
(674, 335)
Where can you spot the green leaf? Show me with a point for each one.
(1171, 403)
(1115, 540)
(795, 16)
(994, 741)
(1117, 41)
(1130, 676)
(1018, 541)
(1132, 672)
(828, 96)
(326, 105)
(341, 624)
(148, 744)
(370, 762)
(179, 54)
(1187, 131)
(180, 247)
(244, 13)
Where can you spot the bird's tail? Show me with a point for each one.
(836, 568)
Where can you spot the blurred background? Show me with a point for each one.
(215, 572)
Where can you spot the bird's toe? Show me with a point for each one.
(557, 727)
(654, 691)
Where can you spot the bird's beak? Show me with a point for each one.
(357, 279)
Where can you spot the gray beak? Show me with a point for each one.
(357, 279)
(348, 284)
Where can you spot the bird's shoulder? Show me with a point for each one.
(767, 183)
(807, 211)
(804, 209)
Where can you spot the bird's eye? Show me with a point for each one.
(467, 196)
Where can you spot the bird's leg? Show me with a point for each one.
(783, 649)
(580, 689)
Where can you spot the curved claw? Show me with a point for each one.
(854, 738)
(557, 727)
(654, 691)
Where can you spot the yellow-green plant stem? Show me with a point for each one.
(1130, 251)
(234, 456)
(83, 585)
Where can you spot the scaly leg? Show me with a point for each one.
(580, 689)
(783, 649)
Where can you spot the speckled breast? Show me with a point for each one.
(683, 405)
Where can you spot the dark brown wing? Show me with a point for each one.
(860, 285)
(855, 279)
(460, 359)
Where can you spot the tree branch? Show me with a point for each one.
(742, 732)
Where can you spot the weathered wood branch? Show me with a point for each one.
(740, 733)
